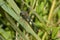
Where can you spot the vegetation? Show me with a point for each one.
(29, 19)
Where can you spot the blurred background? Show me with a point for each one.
(29, 19)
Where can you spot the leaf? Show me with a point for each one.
(4, 34)
(19, 20)
(15, 7)
(54, 32)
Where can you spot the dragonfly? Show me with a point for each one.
(26, 17)
(29, 19)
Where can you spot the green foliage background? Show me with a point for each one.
(14, 27)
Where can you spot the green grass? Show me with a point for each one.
(46, 20)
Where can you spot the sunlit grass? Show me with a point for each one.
(45, 25)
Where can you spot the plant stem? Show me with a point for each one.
(51, 12)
